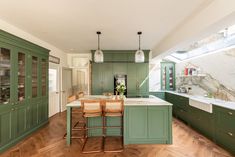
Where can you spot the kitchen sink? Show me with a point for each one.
(201, 104)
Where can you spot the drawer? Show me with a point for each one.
(226, 138)
(225, 118)
(182, 102)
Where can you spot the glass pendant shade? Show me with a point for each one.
(98, 56)
(139, 56)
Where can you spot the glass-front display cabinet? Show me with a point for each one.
(168, 76)
(23, 88)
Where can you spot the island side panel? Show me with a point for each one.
(147, 124)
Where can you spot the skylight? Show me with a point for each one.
(215, 42)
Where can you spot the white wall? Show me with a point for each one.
(22, 34)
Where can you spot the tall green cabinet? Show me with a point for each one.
(23, 88)
(167, 76)
(120, 62)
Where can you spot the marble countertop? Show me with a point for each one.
(217, 102)
(151, 101)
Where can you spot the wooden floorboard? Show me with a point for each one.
(49, 142)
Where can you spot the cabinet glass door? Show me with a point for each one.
(21, 76)
(5, 67)
(34, 77)
(44, 77)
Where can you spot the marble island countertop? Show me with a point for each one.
(217, 102)
(151, 101)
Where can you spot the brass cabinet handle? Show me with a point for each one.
(57, 92)
(12, 109)
(230, 134)
(230, 113)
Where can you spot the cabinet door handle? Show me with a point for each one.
(12, 109)
(230, 113)
(230, 134)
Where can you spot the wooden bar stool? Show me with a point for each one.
(75, 127)
(113, 108)
(91, 109)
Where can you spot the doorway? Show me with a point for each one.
(54, 95)
(66, 89)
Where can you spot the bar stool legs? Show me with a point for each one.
(92, 109)
(86, 138)
(121, 136)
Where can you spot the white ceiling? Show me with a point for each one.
(72, 24)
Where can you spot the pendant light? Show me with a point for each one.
(139, 55)
(98, 56)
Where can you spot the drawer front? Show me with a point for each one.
(182, 102)
(225, 118)
(226, 138)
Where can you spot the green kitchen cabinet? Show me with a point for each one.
(147, 125)
(102, 78)
(158, 94)
(137, 79)
(168, 76)
(24, 82)
(217, 126)
(202, 121)
(225, 128)
(120, 68)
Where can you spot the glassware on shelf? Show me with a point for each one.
(21, 76)
(4, 75)
(44, 77)
(34, 76)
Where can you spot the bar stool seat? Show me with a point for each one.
(87, 115)
(110, 114)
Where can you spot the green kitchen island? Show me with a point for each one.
(146, 121)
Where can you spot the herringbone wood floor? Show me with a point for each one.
(48, 142)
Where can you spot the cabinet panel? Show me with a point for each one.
(6, 130)
(96, 79)
(120, 68)
(119, 57)
(157, 122)
(108, 77)
(21, 119)
(137, 122)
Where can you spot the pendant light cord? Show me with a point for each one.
(139, 42)
(98, 41)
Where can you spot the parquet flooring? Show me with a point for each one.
(48, 142)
